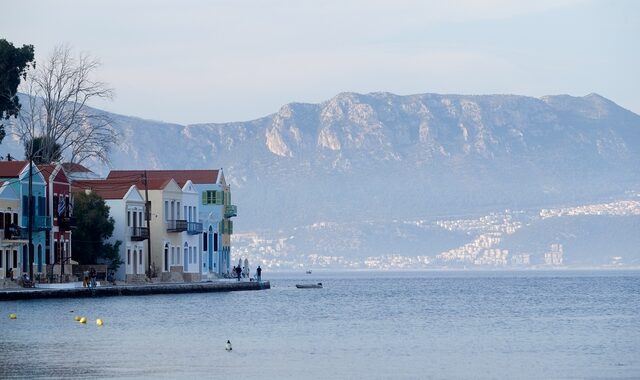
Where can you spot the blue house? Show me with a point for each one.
(16, 175)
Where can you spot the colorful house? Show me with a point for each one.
(214, 210)
(59, 210)
(12, 238)
(17, 174)
(127, 208)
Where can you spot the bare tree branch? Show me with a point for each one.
(58, 92)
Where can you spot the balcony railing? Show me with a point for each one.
(139, 233)
(15, 233)
(177, 225)
(230, 211)
(67, 222)
(40, 223)
(194, 228)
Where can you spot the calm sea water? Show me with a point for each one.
(360, 325)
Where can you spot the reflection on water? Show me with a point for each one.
(374, 325)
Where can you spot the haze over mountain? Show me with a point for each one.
(379, 158)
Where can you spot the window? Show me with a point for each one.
(128, 257)
(55, 204)
(212, 197)
(1, 256)
(204, 241)
(42, 206)
(140, 218)
(15, 258)
(177, 210)
(166, 210)
(215, 242)
(140, 256)
(128, 218)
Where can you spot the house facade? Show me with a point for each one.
(127, 208)
(59, 211)
(17, 174)
(11, 237)
(209, 222)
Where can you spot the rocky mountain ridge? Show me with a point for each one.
(382, 157)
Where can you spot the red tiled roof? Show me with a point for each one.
(12, 168)
(106, 189)
(46, 170)
(75, 168)
(180, 176)
(116, 188)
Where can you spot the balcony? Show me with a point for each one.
(177, 225)
(67, 222)
(194, 228)
(139, 233)
(15, 233)
(40, 223)
(230, 211)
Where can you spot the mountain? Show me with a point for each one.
(362, 162)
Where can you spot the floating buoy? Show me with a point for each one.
(77, 318)
(83, 320)
(13, 316)
(228, 346)
(99, 322)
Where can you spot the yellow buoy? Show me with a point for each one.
(99, 322)
(13, 316)
(77, 318)
(83, 320)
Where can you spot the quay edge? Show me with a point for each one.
(132, 290)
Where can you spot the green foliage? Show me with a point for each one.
(39, 147)
(94, 226)
(14, 63)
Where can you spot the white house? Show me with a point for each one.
(126, 207)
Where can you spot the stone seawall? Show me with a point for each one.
(132, 290)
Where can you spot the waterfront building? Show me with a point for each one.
(213, 209)
(522, 259)
(16, 174)
(12, 238)
(555, 256)
(126, 207)
(59, 211)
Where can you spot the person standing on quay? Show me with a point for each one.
(259, 271)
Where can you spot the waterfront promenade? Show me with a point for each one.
(131, 290)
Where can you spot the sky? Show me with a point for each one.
(193, 61)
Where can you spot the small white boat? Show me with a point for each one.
(309, 286)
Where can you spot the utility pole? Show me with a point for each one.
(147, 216)
(30, 220)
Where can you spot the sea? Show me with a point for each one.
(360, 325)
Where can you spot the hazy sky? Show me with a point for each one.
(216, 61)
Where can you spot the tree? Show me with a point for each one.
(37, 146)
(93, 227)
(58, 92)
(14, 63)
